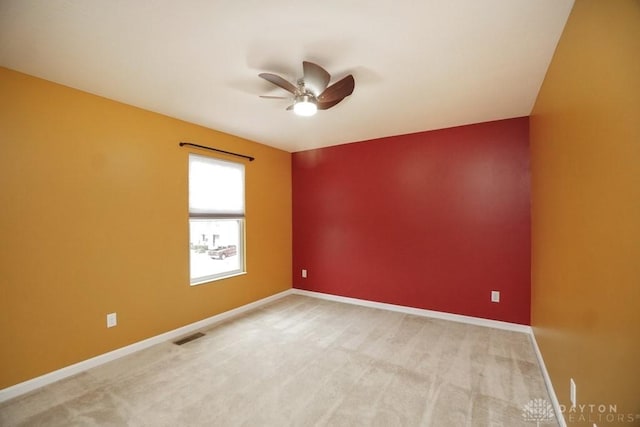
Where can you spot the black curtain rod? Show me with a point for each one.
(251, 159)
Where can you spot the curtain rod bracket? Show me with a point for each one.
(251, 159)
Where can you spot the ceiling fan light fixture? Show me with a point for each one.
(305, 105)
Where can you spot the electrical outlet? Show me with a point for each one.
(304, 273)
(495, 296)
(573, 391)
(112, 320)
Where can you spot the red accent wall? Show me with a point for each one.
(433, 220)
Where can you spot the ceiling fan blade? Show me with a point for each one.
(279, 81)
(315, 78)
(275, 97)
(290, 107)
(327, 105)
(339, 90)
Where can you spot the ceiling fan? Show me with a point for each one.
(312, 92)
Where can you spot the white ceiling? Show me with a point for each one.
(418, 65)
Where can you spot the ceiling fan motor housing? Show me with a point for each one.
(308, 97)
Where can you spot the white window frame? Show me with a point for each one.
(233, 211)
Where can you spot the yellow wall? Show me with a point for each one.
(585, 155)
(93, 220)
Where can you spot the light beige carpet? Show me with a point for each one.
(301, 361)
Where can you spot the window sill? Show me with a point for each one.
(242, 273)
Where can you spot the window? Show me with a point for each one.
(216, 219)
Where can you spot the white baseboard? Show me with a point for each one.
(420, 312)
(547, 382)
(35, 383)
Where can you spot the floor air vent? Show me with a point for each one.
(189, 338)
